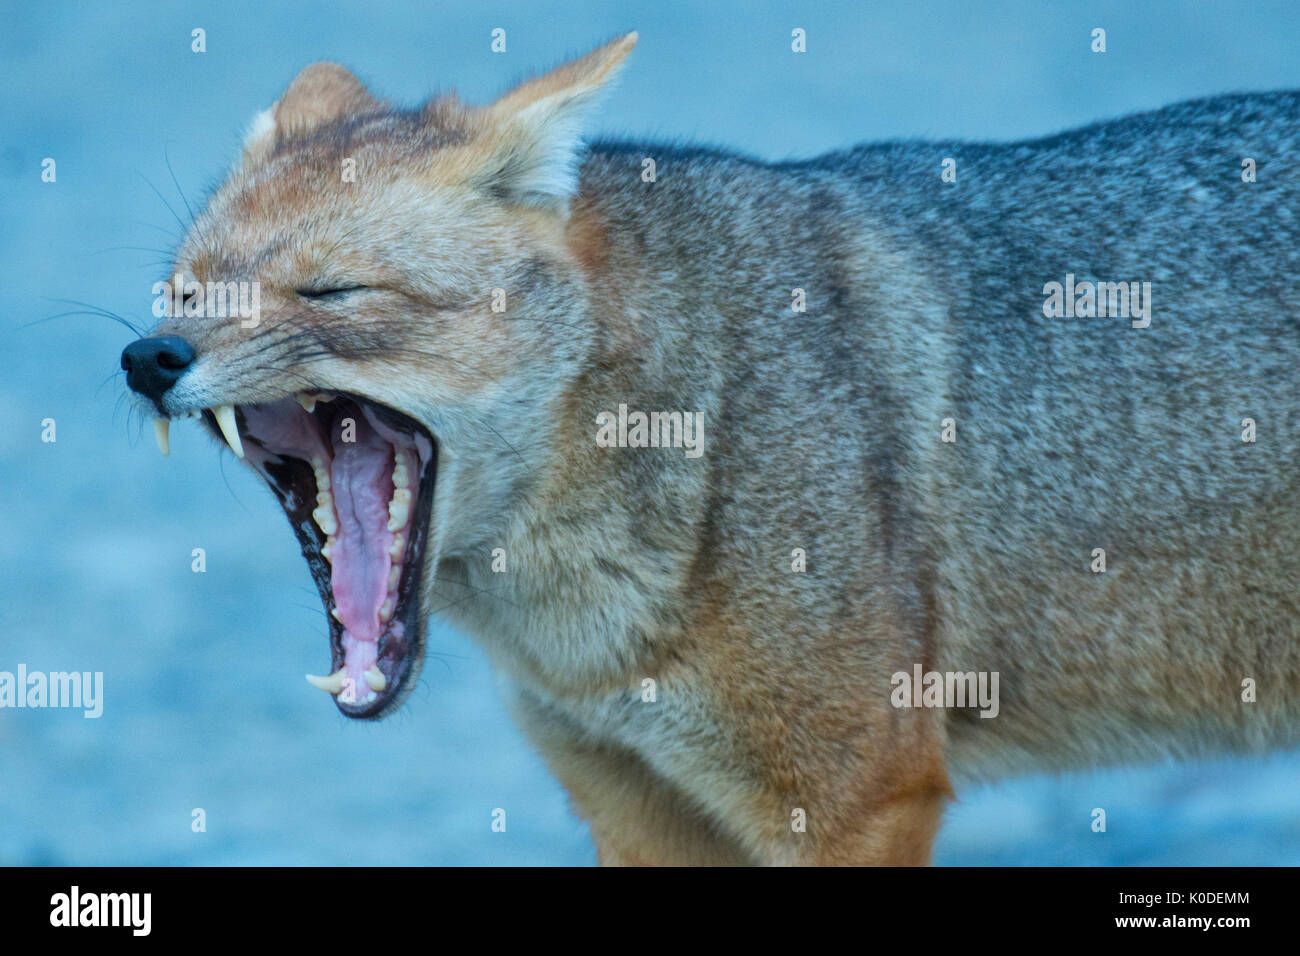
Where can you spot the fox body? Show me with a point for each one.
(909, 465)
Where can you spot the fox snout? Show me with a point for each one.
(153, 365)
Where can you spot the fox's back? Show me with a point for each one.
(1171, 448)
(1155, 198)
(925, 301)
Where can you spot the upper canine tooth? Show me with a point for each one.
(375, 678)
(308, 402)
(332, 684)
(160, 426)
(225, 415)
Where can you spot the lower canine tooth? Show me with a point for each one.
(332, 684)
(375, 679)
(160, 426)
(334, 613)
(225, 415)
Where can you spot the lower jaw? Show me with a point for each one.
(377, 675)
(399, 652)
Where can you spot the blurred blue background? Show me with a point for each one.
(205, 705)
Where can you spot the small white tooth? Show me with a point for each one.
(322, 397)
(375, 678)
(324, 498)
(332, 684)
(401, 477)
(397, 548)
(325, 520)
(386, 610)
(328, 550)
(403, 495)
(308, 402)
(225, 415)
(398, 513)
(394, 576)
(160, 426)
(334, 613)
(322, 474)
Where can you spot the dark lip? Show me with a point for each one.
(401, 659)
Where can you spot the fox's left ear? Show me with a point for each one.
(530, 140)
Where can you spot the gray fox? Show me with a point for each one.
(782, 495)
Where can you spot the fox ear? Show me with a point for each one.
(320, 93)
(531, 139)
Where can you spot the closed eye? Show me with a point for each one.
(331, 293)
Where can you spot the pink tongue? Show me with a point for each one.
(361, 480)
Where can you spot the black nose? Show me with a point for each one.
(153, 365)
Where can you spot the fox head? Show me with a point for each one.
(421, 286)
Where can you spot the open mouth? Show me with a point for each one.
(356, 479)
